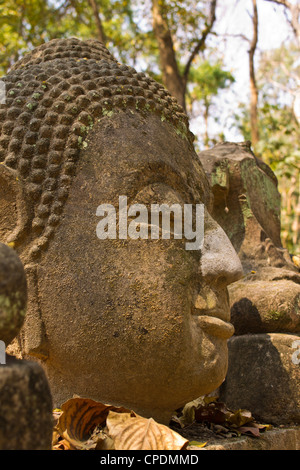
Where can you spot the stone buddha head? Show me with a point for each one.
(139, 322)
(247, 206)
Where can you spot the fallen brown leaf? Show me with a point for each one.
(99, 440)
(239, 418)
(63, 444)
(138, 433)
(80, 416)
(249, 430)
(215, 412)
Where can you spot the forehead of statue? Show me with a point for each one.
(128, 152)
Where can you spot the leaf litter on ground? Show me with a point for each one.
(86, 424)
(218, 418)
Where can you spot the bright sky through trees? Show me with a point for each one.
(233, 26)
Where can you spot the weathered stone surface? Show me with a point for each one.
(275, 439)
(13, 294)
(25, 407)
(264, 306)
(142, 323)
(246, 200)
(247, 206)
(263, 377)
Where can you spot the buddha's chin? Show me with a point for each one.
(142, 391)
(191, 364)
(208, 355)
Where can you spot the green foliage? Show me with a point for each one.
(186, 20)
(27, 24)
(207, 79)
(23, 25)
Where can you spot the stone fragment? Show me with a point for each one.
(264, 373)
(25, 398)
(25, 406)
(246, 203)
(265, 306)
(247, 206)
(264, 376)
(287, 438)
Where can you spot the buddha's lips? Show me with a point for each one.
(215, 327)
(214, 322)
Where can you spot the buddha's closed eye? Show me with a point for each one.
(160, 208)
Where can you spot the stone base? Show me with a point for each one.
(25, 406)
(276, 311)
(264, 377)
(276, 439)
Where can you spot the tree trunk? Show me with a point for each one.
(94, 6)
(206, 114)
(253, 85)
(172, 79)
(171, 76)
(200, 45)
(295, 21)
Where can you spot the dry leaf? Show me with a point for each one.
(197, 443)
(80, 416)
(254, 428)
(63, 444)
(215, 412)
(56, 414)
(240, 417)
(99, 440)
(265, 427)
(188, 412)
(137, 433)
(55, 437)
(249, 429)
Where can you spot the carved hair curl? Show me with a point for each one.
(54, 96)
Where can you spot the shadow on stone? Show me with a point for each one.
(243, 313)
(263, 378)
(25, 406)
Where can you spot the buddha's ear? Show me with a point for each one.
(8, 176)
(33, 339)
(13, 224)
(13, 214)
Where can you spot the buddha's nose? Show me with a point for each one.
(219, 260)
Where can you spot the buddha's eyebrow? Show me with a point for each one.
(188, 184)
(160, 172)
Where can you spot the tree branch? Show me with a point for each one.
(280, 2)
(94, 6)
(201, 43)
(171, 75)
(253, 85)
(239, 35)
